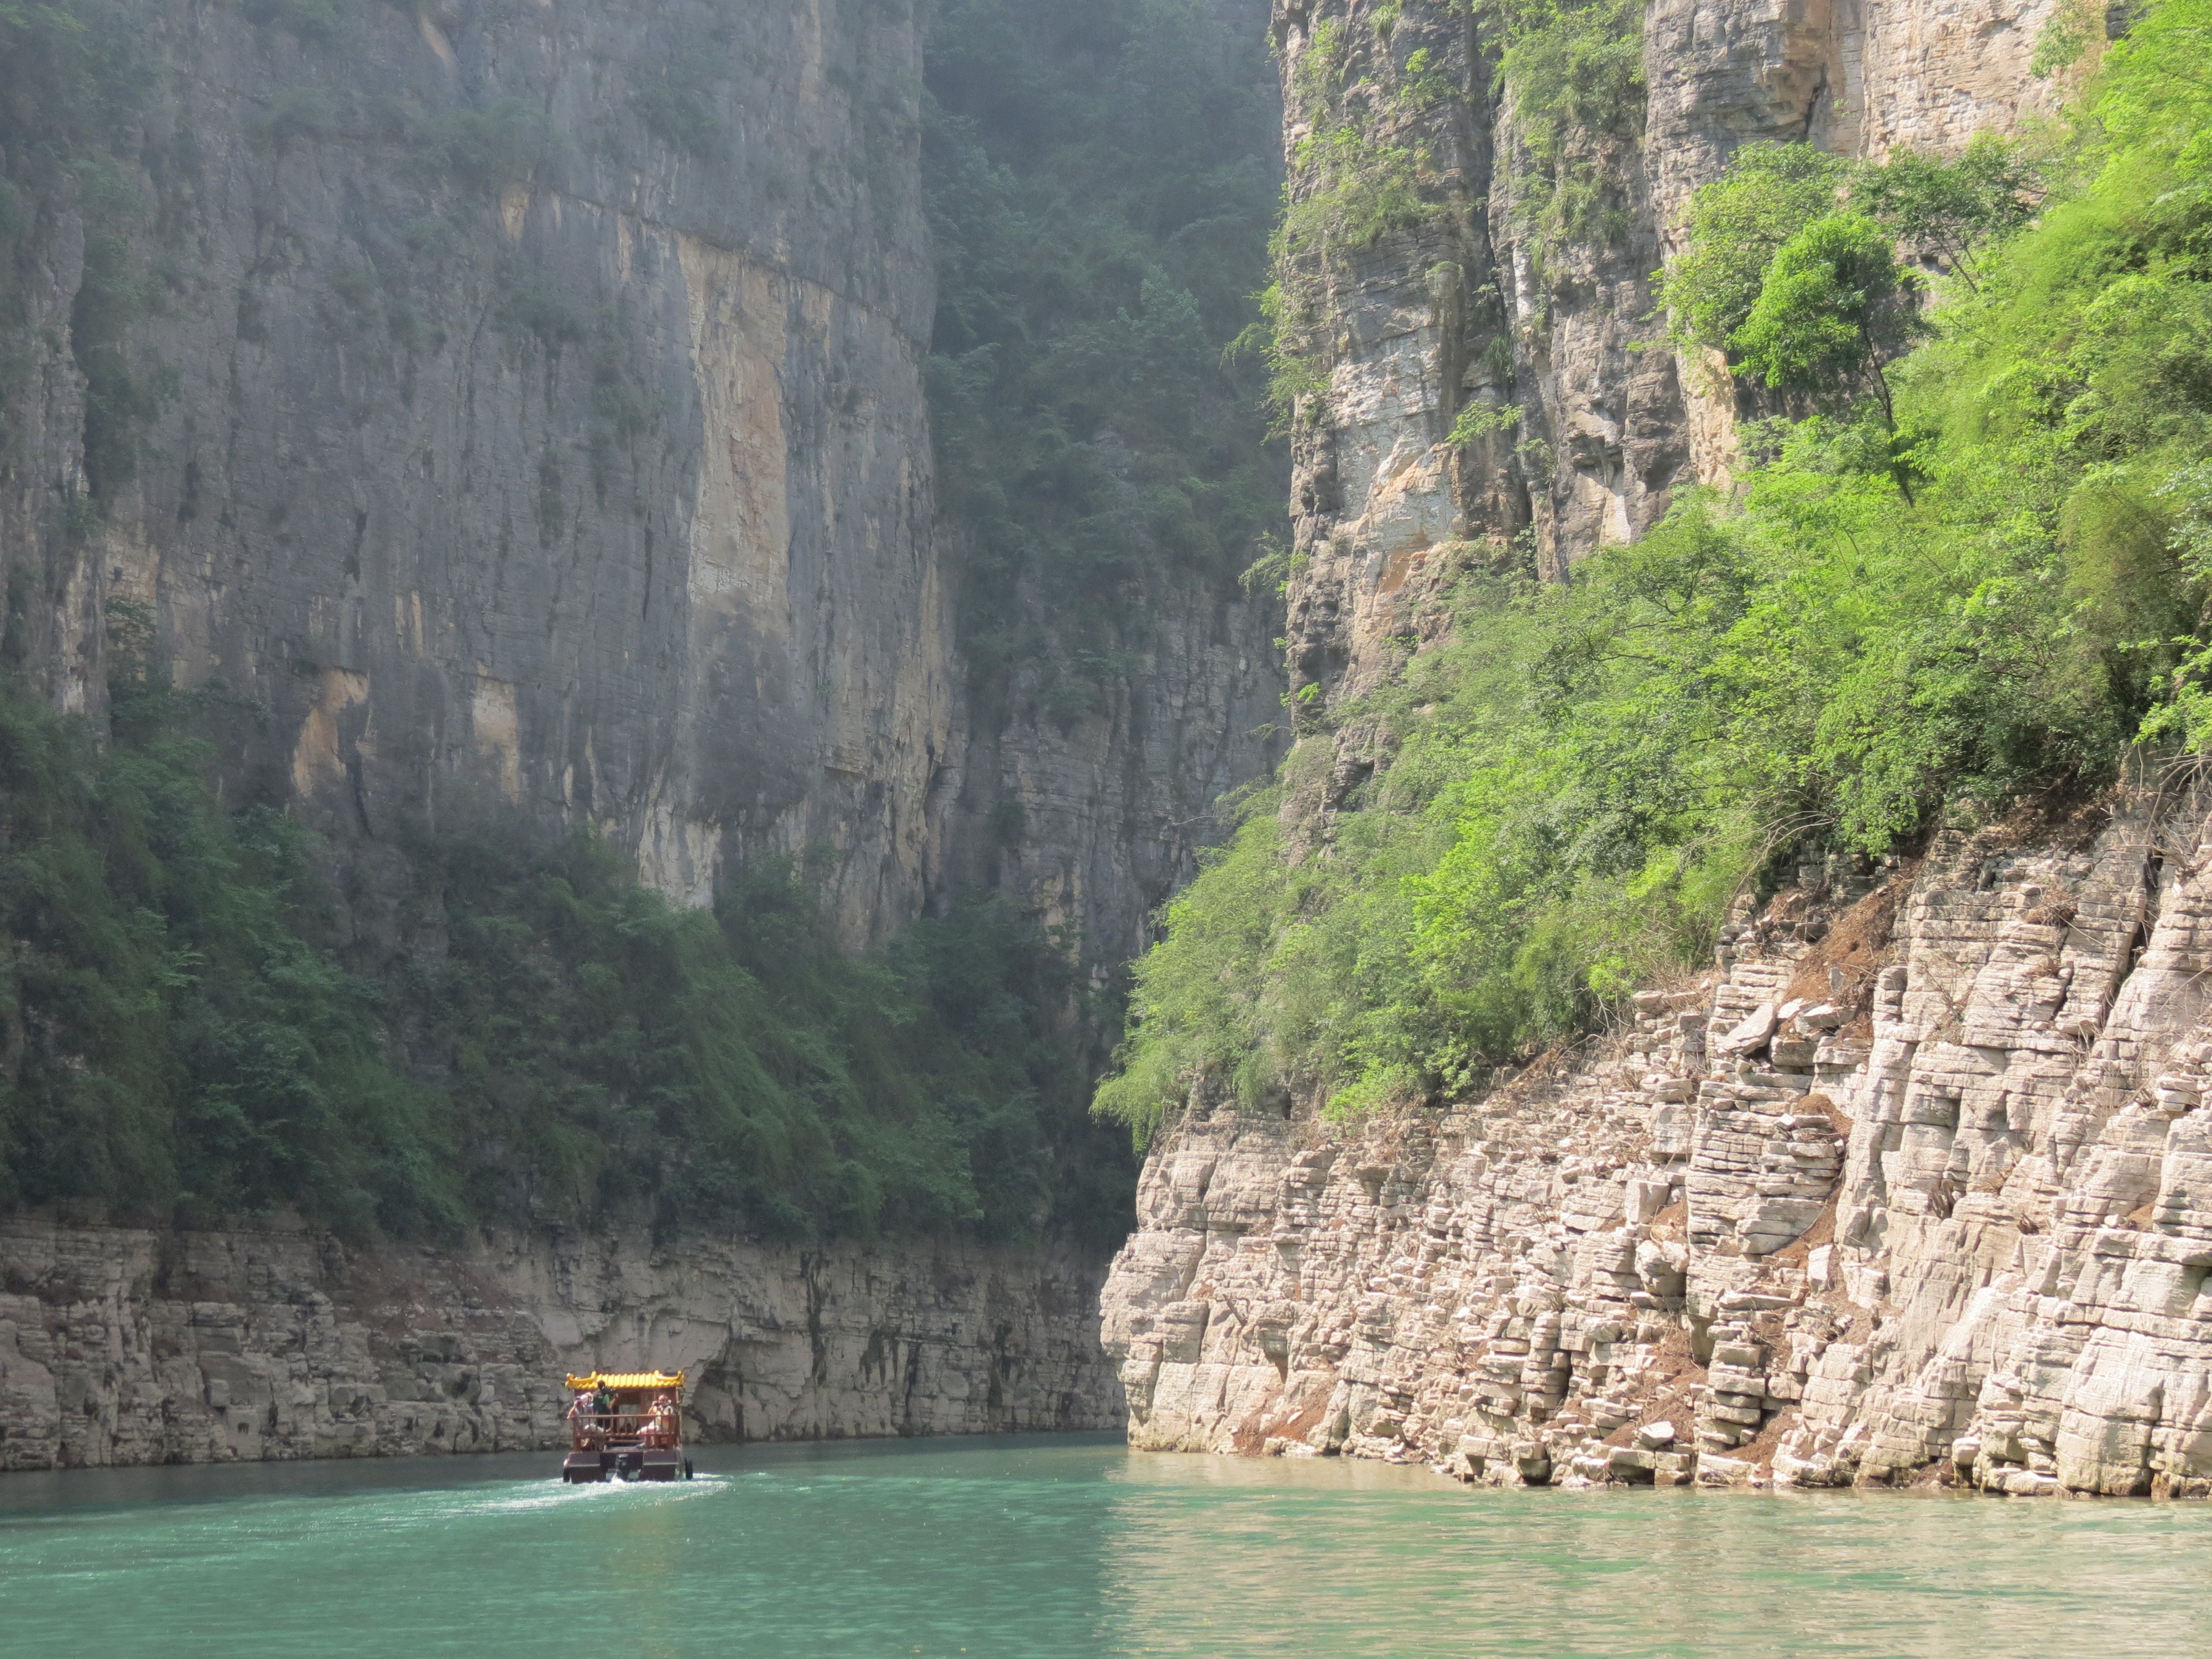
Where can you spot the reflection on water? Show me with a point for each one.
(1039, 1548)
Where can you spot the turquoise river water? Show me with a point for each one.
(1038, 1548)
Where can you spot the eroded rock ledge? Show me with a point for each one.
(128, 1347)
(1916, 1185)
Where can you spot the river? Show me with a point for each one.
(1036, 1548)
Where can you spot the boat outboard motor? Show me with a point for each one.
(629, 1465)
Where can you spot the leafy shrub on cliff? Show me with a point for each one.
(1352, 181)
(1773, 196)
(484, 149)
(1574, 69)
(1735, 225)
(1984, 594)
(186, 1031)
(1834, 306)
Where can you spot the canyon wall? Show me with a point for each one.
(1098, 821)
(1914, 1185)
(1908, 1186)
(516, 410)
(118, 1346)
(543, 426)
(514, 416)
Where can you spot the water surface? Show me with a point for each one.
(1045, 1547)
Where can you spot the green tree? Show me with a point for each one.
(1735, 225)
(1960, 210)
(1834, 306)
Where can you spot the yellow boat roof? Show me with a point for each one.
(628, 1379)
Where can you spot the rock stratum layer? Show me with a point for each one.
(124, 1346)
(1915, 1187)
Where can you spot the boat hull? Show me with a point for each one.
(627, 1463)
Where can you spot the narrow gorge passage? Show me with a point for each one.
(1452, 749)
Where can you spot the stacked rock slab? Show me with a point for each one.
(126, 1346)
(1916, 1185)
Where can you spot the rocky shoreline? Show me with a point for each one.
(1916, 1186)
(124, 1346)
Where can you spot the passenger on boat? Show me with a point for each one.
(582, 1421)
(660, 1427)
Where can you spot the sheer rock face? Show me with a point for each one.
(544, 434)
(1097, 820)
(124, 1346)
(534, 444)
(543, 437)
(1863, 1205)
(1478, 304)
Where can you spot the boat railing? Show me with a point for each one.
(622, 1428)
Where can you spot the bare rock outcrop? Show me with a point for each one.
(541, 435)
(1914, 1185)
(123, 1345)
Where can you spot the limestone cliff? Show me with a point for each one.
(533, 430)
(1908, 1187)
(543, 427)
(1502, 295)
(1099, 821)
(533, 421)
(126, 1346)
(1912, 1186)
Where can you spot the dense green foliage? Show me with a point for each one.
(183, 1031)
(172, 1040)
(602, 1049)
(1574, 69)
(1834, 306)
(1980, 592)
(1101, 178)
(1794, 270)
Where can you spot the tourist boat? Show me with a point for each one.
(626, 1425)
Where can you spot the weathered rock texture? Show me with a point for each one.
(524, 450)
(126, 1346)
(1855, 1207)
(545, 434)
(1097, 821)
(1914, 1186)
(1483, 303)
